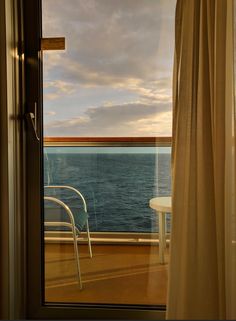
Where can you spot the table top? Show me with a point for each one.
(161, 204)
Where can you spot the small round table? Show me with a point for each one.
(161, 205)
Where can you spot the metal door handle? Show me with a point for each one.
(32, 122)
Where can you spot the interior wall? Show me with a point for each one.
(11, 236)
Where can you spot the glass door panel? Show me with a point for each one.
(107, 127)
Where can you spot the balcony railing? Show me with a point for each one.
(146, 143)
(108, 141)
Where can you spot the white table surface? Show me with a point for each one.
(161, 204)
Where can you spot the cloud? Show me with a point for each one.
(55, 89)
(110, 40)
(132, 119)
(50, 113)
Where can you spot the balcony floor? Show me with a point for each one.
(117, 274)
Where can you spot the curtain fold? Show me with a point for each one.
(202, 150)
(230, 180)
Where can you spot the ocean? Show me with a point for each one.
(116, 186)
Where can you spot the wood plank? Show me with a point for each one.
(53, 43)
(116, 274)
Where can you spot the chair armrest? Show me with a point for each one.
(72, 189)
(62, 204)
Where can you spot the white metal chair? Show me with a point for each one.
(73, 222)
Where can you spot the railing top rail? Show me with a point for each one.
(107, 141)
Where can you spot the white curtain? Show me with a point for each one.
(202, 270)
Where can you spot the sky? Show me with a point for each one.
(115, 76)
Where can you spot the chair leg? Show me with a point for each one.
(77, 256)
(89, 241)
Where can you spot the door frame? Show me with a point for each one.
(36, 308)
(12, 197)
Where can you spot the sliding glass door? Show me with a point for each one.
(98, 91)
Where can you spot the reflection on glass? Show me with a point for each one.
(113, 80)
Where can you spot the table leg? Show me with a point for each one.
(162, 236)
(164, 231)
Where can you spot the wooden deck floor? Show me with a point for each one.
(117, 274)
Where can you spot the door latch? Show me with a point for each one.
(31, 119)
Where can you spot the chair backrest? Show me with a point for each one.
(57, 209)
(47, 169)
(68, 195)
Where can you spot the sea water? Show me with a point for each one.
(116, 184)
